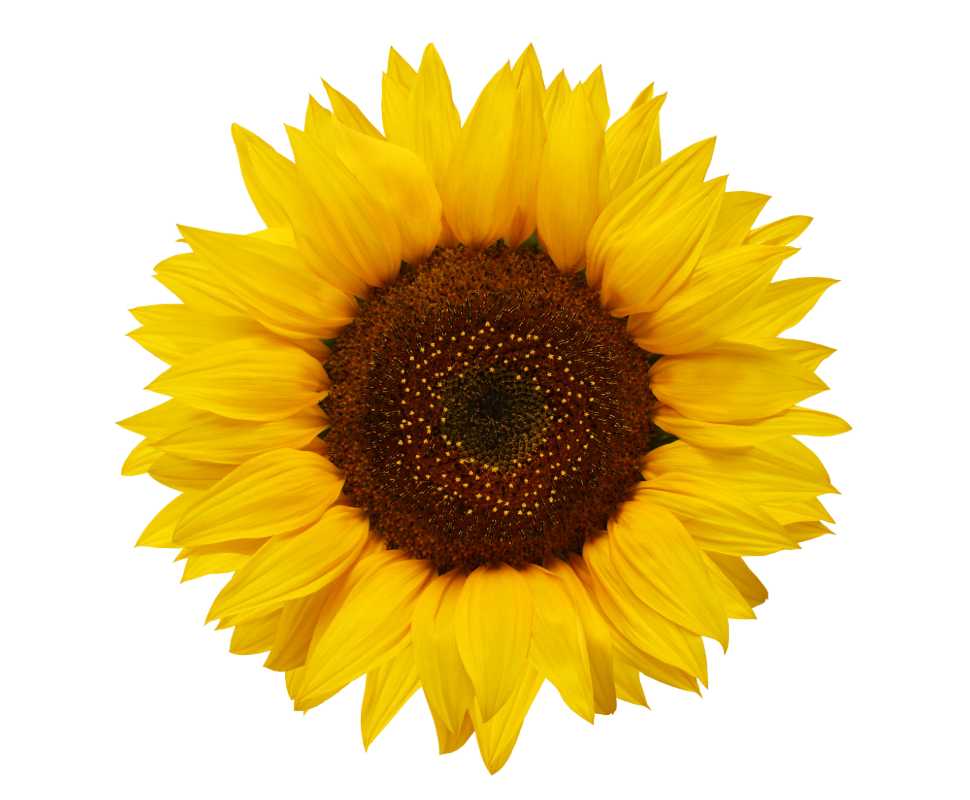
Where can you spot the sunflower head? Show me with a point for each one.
(485, 404)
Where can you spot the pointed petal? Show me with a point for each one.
(780, 232)
(349, 114)
(718, 520)
(573, 181)
(257, 378)
(732, 382)
(783, 306)
(713, 302)
(493, 626)
(187, 474)
(669, 184)
(558, 649)
(597, 635)
(498, 733)
(805, 421)
(740, 574)
(255, 636)
(449, 742)
(635, 619)
(354, 234)
(657, 257)
(370, 627)
(594, 90)
(293, 566)
(173, 331)
(273, 284)
(193, 282)
(432, 117)
(386, 691)
(663, 566)
(270, 495)
(476, 192)
(141, 459)
(159, 531)
(738, 212)
(633, 144)
(447, 688)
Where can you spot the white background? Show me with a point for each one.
(853, 682)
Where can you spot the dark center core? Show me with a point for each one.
(484, 409)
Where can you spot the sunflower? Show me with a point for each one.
(485, 404)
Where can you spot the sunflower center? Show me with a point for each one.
(485, 409)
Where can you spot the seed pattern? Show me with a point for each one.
(485, 409)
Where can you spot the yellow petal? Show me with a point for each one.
(214, 559)
(775, 469)
(433, 120)
(255, 636)
(528, 64)
(387, 689)
(594, 90)
(187, 474)
(395, 113)
(635, 619)
(349, 114)
(783, 305)
(141, 459)
(597, 633)
(159, 531)
(370, 627)
(712, 303)
(293, 566)
(731, 383)
(747, 583)
(231, 441)
(257, 378)
(493, 626)
(573, 181)
(295, 630)
(354, 233)
(400, 182)
(557, 93)
(446, 685)
(558, 649)
(497, 734)
(663, 566)
(477, 191)
(617, 615)
(628, 686)
(273, 284)
(809, 354)
(276, 184)
(718, 520)
(731, 600)
(191, 281)
(271, 495)
(780, 232)
(655, 192)
(449, 741)
(173, 331)
(655, 259)
(795, 420)
(738, 212)
(530, 140)
(399, 69)
(633, 144)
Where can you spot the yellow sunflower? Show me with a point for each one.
(485, 404)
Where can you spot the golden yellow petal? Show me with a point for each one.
(493, 627)
(349, 114)
(446, 685)
(497, 734)
(271, 495)
(732, 382)
(558, 649)
(258, 378)
(573, 181)
(292, 566)
(633, 144)
(386, 691)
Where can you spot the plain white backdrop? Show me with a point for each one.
(852, 682)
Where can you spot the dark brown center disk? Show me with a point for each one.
(485, 409)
